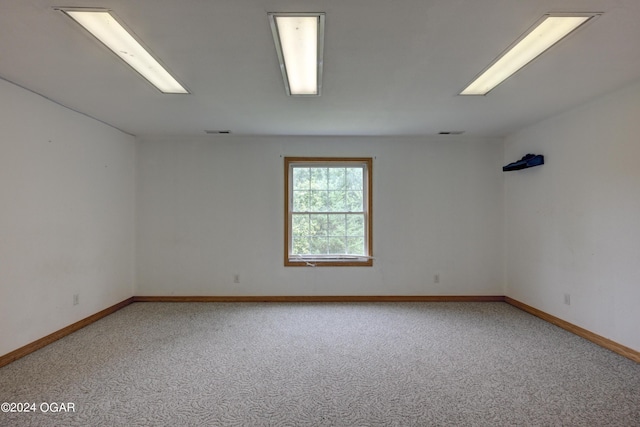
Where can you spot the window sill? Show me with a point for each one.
(363, 261)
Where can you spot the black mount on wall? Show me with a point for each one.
(528, 161)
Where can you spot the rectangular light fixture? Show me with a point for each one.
(299, 39)
(549, 31)
(103, 26)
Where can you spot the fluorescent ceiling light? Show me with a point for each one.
(105, 28)
(547, 33)
(299, 39)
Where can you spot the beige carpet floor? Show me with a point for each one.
(329, 364)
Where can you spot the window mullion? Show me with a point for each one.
(328, 212)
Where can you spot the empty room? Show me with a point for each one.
(319, 213)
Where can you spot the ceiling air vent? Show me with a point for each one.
(451, 132)
(217, 132)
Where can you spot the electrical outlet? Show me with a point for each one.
(567, 299)
(236, 278)
(76, 299)
(436, 278)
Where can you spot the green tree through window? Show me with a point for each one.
(328, 211)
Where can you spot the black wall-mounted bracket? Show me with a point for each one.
(528, 161)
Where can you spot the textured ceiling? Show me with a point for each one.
(390, 68)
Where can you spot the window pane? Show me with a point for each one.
(337, 245)
(300, 225)
(301, 201)
(300, 245)
(336, 225)
(355, 201)
(301, 178)
(355, 245)
(354, 178)
(318, 245)
(318, 201)
(318, 178)
(355, 225)
(337, 178)
(317, 225)
(337, 201)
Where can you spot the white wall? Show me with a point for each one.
(212, 207)
(573, 225)
(66, 216)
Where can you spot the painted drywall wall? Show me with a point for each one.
(209, 208)
(66, 216)
(573, 224)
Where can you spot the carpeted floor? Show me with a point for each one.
(330, 364)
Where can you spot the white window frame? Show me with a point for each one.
(291, 260)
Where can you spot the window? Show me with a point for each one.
(328, 212)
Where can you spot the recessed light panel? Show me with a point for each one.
(550, 30)
(103, 26)
(299, 40)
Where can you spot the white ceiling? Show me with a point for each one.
(390, 67)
